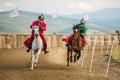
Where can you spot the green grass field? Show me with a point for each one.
(116, 55)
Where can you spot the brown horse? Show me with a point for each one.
(118, 32)
(76, 46)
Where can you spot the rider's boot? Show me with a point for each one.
(68, 45)
(29, 45)
(45, 48)
(28, 48)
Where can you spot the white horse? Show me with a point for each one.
(36, 47)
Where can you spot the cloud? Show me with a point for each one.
(86, 17)
(106, 4)
(1, 10)
(63, 6)
(91, 6)
(9, 4)
(79, 4)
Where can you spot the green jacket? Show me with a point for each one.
(82, 29)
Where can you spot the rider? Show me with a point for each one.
(83, 29)
(40, 22)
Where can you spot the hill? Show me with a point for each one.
(99, 22)
(103, 14)
(102, 21)
(20, 24)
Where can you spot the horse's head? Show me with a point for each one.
(116, 31)
(36, 31)
(76, 31)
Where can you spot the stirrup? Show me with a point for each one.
(46, 51)
(27, 49)
(66, 44)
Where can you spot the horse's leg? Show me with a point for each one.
(75, 57)
(37, 55)
(32, 61)
(71, 56)
(79, 55)
(67, 57)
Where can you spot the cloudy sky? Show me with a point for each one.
(63, 7)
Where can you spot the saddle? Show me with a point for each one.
(27, 44)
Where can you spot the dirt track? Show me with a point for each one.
(15, 65)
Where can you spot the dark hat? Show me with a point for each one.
(82, 21)
(41, 17)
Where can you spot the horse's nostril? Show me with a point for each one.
(36, 35)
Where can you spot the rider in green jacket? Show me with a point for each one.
(82, 26)
(83, 29)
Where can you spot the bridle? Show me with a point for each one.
(76, 32)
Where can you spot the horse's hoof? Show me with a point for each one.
(67, 67)
(32, 69)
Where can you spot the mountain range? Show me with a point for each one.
(102, 21)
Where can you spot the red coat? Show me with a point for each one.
(37, 23)
(70, 38)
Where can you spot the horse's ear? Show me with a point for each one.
(73, 26)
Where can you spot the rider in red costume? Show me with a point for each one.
(40, 22)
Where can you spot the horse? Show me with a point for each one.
(118, 32)
(76, 46)
(37, 45)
